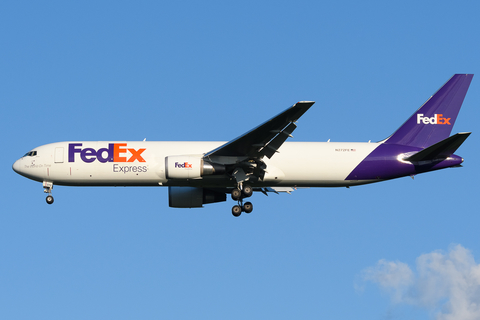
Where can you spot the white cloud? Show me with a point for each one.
(394, 277)
(447, 284)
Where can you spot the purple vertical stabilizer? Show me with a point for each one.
(422, 143)
(434, 120)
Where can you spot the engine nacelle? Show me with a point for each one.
(193, 197)
(190, 167)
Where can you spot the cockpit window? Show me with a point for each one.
(30, 154)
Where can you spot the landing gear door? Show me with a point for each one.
(59, 155)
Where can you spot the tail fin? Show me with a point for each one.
(434, 120)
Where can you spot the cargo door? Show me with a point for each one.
(59, 155)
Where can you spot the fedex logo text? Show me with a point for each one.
(116, 152)
(436, 119)
(184, 165)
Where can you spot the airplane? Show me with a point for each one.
(261, 160)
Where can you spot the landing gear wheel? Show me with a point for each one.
(236, 211)
(247, 191)
(49, 199)
(248, 207)
(236, 194)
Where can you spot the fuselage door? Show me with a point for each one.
(59, 155)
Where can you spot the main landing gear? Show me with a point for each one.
(238, 195)
(47, 188)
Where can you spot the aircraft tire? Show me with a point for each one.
(236, 194)
(49, 199)
(247, 191)
(236, 211)
(248, 207)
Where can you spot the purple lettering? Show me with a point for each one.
(179, 165)
(72, 150)
(86, 153)
(104, 155)
(109, 154)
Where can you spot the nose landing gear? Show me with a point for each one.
(47, 188)
(49, 199)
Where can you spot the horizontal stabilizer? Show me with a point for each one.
(440, 150)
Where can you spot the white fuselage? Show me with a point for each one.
(298, 164)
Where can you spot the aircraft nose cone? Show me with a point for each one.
(16, 166)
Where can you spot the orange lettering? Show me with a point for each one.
(442, 120)
(117, 151)
(136, 155)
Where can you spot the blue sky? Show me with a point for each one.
(211, 70)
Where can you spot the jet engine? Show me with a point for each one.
(193, 197)
(190, 167)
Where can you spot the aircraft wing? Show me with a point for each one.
(265, 139)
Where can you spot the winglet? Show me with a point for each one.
(434, 120)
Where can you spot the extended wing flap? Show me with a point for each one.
(276, 190)
(440, 150)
